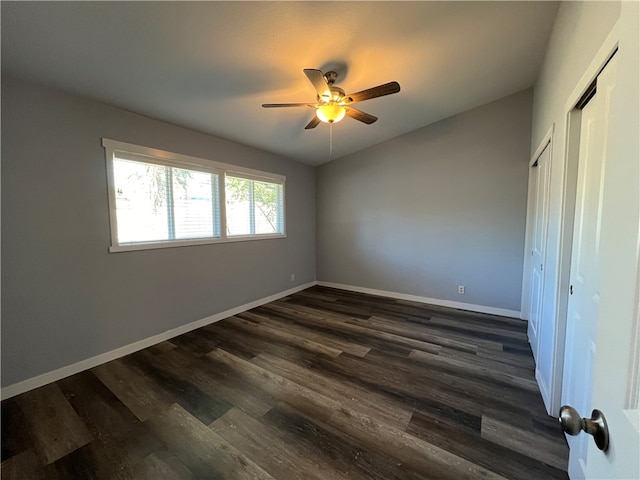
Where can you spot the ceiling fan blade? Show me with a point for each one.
(316, 77)
(315, 121)
(360, 116)
(277, 105)
(374, 92)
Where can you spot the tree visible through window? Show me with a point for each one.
(253, 207)
(157, 202)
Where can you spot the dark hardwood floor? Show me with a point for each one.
(324, 384)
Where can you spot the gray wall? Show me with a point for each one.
(433, 209)
(64, 297)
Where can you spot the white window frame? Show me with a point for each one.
(177, 160)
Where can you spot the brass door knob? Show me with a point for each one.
(572, 423)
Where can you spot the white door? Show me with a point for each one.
(540, 173)
(616, 370)
(584, 291)
(602, 310)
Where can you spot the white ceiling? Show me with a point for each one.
(210, 65)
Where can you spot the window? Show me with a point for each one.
(160, 202)
(161, 199)
(254, 207)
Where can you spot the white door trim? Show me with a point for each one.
(632, 402)
(547, 139)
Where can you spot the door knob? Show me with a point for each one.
(572, 423)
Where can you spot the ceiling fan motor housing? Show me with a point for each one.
(337, 95)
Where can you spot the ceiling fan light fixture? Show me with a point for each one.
(331, 112)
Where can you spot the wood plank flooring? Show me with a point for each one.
(324, 384)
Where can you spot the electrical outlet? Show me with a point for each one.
(461, 289)
(293, 277)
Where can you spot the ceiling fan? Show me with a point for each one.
(332, 104)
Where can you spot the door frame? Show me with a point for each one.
(532, 203)
(568, 176)
(632, 400)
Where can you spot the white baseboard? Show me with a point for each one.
(55, 375)
(433, 301)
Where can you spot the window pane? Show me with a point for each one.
(194, 212)
(267, 207)
(238, 195)
(141, 201)
(253, 207)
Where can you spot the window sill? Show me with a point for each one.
(129, 247)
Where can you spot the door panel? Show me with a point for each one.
(584, 299)
(541, 174)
